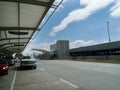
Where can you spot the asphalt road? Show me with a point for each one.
(64, 75)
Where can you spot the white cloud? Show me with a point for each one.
(28, 50)
(115, 10)
(44, 46)
(80, 43)
(91, 6)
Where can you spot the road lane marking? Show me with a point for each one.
(69, 83)
(13, 82)
(42, 69)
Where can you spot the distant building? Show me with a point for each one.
(60, 49)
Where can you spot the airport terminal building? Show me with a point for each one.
(109, 50)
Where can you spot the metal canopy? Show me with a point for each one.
(98, 47)
(19, 19)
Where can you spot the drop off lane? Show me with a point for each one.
(39, 79)
(85, 75)
(65, 75)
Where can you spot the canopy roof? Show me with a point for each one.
(19, 19)
(98, 47)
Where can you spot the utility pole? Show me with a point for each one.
(108, 31)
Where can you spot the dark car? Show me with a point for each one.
(3, 66)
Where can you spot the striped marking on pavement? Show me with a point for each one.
(69, 83)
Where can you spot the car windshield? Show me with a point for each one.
(26, 57)
(28, 62)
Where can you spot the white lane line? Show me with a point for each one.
(42, 69)
(13, 82)
(69, 83)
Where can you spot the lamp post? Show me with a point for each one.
(108, 31)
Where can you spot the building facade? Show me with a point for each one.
(102, 51)
(60, 49)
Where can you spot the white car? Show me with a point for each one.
(28, 63)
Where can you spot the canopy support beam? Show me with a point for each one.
(33, 2)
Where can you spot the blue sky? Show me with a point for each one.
(82, 22)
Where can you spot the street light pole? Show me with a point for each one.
(108, 31)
